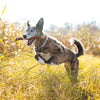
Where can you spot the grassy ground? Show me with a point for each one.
(23, 78)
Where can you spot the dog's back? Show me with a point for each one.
(56, 49)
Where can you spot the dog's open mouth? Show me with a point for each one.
(30, 41)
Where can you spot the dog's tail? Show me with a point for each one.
(79, 46)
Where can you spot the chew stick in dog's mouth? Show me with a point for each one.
(30, 41)
(19, 38)
(35, 37)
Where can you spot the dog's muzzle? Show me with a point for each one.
(29, 40)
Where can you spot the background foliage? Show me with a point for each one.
(89, 34)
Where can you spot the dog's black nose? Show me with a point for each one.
(24, 36)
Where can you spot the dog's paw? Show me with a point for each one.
(39, 59)
(53, 63)
(36, 57)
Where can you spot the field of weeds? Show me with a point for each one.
(23, 78)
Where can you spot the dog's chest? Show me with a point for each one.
(45, 56)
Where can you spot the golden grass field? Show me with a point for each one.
(23, 78)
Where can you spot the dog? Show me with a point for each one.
(49, 50)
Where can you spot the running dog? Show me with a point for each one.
(49, 50)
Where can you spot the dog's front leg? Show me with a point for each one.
(39, 59)
(51, 61)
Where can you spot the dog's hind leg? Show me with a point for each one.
(68, 67)
(75, 66)
(72, 69)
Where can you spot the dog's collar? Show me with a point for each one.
(42, 44)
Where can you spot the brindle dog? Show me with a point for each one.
(49, 50)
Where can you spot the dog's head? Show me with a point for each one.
(32, 32)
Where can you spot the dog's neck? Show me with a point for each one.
(40, 41)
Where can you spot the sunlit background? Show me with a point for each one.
(53, 11)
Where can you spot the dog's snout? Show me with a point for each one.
(24, 36)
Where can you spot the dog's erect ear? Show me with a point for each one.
(28, 24)
(40, 24)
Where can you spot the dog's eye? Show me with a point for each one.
(31, 30)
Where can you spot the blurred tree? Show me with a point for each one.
(53, 27)
(68, 27)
